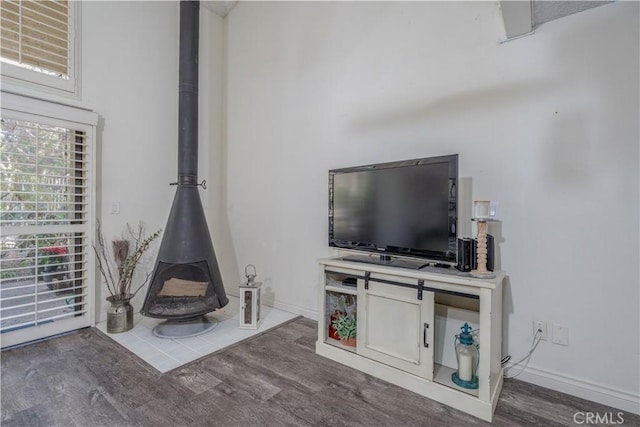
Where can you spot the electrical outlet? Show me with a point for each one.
(560, 334)
(542, 326)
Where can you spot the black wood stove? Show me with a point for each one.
(186, 282)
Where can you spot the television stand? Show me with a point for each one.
(387, 261)
(406, 324)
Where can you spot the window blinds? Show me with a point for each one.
(35, 34)
(44, 223)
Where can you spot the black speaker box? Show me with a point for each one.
(490, 253)
(465, 254)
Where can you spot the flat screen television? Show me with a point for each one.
(404, 209)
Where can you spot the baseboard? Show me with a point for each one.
(290, 308)
(609, 396)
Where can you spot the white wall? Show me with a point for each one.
(546, 125)
(130, 78)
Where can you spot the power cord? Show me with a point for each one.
(537, 337)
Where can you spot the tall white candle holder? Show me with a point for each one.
(481, 250)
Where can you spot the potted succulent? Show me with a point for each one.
(343, 321)
(341, 304)
(117, 266)
(346, 327)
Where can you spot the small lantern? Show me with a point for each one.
(468, 356)
(250, 301)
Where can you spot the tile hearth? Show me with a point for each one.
(167, 354)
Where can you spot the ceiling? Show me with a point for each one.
(520, 16)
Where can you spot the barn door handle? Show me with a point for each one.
(424, 335)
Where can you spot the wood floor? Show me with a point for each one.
(274, 379)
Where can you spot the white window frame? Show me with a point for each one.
(22, 80)
(47, 113)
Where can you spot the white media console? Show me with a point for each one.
(406, 325)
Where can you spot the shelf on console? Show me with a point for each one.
(338, 343)
(442, 375)
(342, 289)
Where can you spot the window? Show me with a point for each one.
(39, 44)
(45, 224)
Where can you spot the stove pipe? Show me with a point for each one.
(186, 281)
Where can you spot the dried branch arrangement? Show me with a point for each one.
(118, 264)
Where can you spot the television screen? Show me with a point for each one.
(403, 208)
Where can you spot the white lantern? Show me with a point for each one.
(250, 301)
